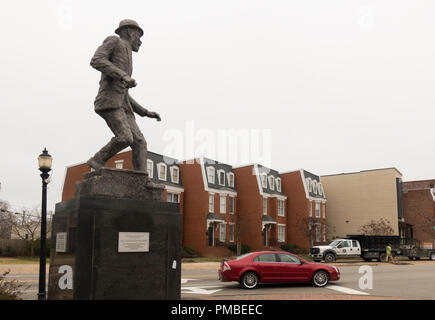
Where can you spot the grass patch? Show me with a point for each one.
(21, 260)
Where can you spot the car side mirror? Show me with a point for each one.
(302, 262)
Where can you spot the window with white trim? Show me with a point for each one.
(324, 210)
(223, 232)
(231, 180)
(265, 206)
(317, 209)
(264, 180)
(231, 232)
(310, 208)
(231, 209)
(281, 208)
(319, 189)
(150, 167)
(308, 182)
(119, 164)
(221, 177)
(211, 202)
(271, 182)
(324, 233)
(211, 174)
(162, 171)
(281, 233)
(278, 184)
(314, 186)
(223, 204)
(318, 232)
(175, 174)
(173, 197)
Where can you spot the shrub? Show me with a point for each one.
(244, 248)
(189, 252)
(292, 248)
(10, 289)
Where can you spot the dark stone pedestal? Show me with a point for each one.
(93, 222)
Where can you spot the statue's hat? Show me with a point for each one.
(128, 23)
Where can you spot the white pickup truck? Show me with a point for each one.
(339, 248)
(364, 246)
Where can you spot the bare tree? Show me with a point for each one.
(307, 226)
(5, 220)
(26, 226)
(381, 227)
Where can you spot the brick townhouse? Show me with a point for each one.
(163, 170)
(261, 207)
(210, 206)
(419, 210)
(306, 208)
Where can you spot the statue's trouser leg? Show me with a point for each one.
(117, 121)
(139, 146)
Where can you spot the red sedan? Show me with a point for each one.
(275, 267)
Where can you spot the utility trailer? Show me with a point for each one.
(417, 251)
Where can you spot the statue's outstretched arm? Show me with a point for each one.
(142, 111)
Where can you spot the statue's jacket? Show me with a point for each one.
(114, 59)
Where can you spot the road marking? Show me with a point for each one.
(200, 290)
(346, 290)
(184, 280)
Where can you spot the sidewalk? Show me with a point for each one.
(34, 268)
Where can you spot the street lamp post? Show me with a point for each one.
(44, 161)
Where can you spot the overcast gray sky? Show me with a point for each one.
(343, 85)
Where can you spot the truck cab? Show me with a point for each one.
(339, 248)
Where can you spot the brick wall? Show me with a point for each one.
(418, 207)
(298, 212)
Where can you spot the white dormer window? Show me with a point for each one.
(162, 171)
(278, 184)
(150, 168)
(265, 206)
(308, 182)
(231, 180)
(221, 177)
(264, 180)
(271, 182)
(319, 189)
(175, 174)
(119, 164)
(211, 174)
(314, 187)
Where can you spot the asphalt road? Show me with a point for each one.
(406, 281)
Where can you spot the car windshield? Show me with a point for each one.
(243, 255)
(334, 243)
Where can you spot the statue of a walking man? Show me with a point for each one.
(113, 102)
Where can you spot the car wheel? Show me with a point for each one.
(320, 278)
(249, 280)
(432, 256)
(329, 257)
(383, 257)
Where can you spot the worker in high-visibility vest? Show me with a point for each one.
(389, 253)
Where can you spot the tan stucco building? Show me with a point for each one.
(356, 198)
